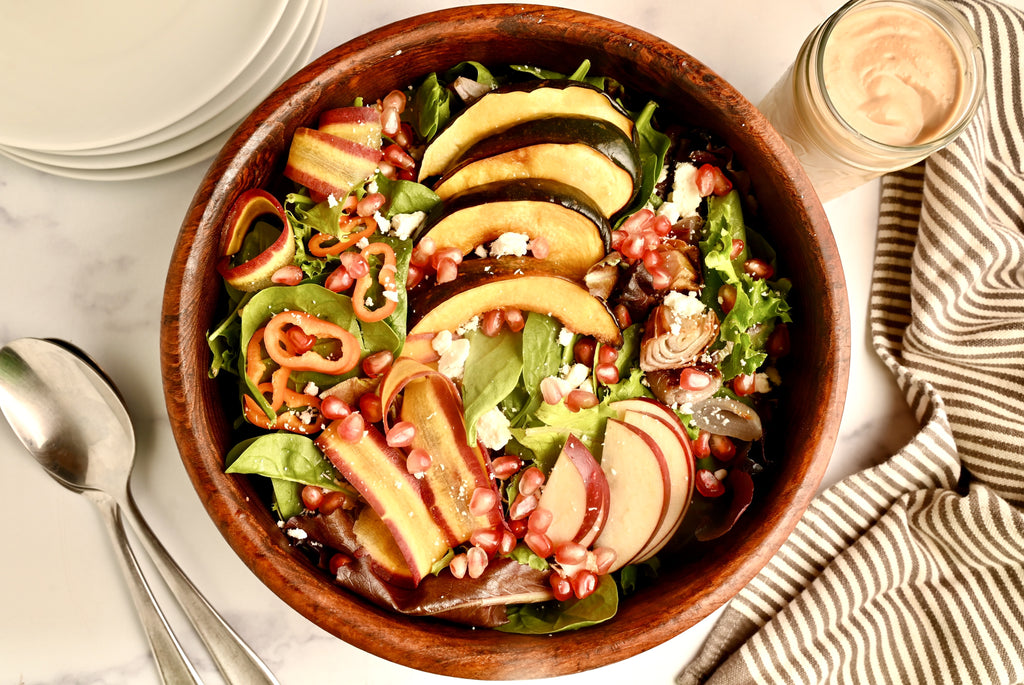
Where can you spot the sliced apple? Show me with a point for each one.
(378, 472)
(449, 305)
(590, 154)
(358, 124)
(680, 469)
(638, 485)
(329, 165)
(504, 107)
(576, 493)
(575, 230)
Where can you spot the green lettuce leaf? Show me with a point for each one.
(572, 614)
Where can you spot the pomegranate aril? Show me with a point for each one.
(395, 100)
(693, 379)
(744, 384)
(540, 520)
(352, 427)
(355, 264)
(604, 557)
(370, 407)
(758, 269)
(492, 323)
(727, 297)
(401, 159)
(653, 258)
(390, 121)
(418, 461)
(583, 351)
(403, 136)
(333, 501)
(518, 527)
(606, 374)
(482, 501)
(476, 562)
(581, 399)
(737, 248)
(632, 248)
(507, 542)
(299, 340)
(778, 342)
(661, 225)
(370, 203)
(505, 466)
(708, 484)
(312, 497)
(288, 275)
(722, 448)
(569, 553)
(540, 248)
(401, 434)
(551, 390)
(414, 276)
(487, 539)
(660, 277)
(514, 319)
(377, 363)
(458, 565)
(702, 445)
(334, 408)
(522, 506)
(422, 253)
(339, 281)
(387, 170)
(622, 316)
(539, 543)
(561, 587)
(339, 561)
(447, 270)
(530, 481)
(637, 221)
(451, 253)
(607, 354)
(584, 583)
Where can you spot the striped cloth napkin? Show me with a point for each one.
(913, 571)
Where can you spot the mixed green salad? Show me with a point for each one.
(500, 344)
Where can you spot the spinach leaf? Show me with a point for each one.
(652, 145)
(554, 617)
(472, 70)
(406, 197)
(542, 357)
(223, 340)
(432, 107)
(286, 456)
(492, 372)
(287, 498)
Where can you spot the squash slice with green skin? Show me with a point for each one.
(505, 107)
(575, 230)
(505, 284)
(590, 155)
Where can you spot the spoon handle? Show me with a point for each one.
(237, 662)
(171, 660)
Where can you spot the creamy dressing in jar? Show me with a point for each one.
(893, 74)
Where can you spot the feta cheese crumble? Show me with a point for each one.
(403, 225)
(510, 244)
(492, 429)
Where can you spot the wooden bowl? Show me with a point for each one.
(558, 39)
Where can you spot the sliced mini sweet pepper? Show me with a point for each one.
(282, 351)
(301, 415)
(386, 277)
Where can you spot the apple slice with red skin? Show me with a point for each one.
(638, 485)
(358, 124)
(576, 493)
(329, 165)
(680, 468)
(378, 472)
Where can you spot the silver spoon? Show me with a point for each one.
(72, 419)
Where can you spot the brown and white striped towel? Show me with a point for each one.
(913, 571)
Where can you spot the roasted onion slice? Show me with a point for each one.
(724, 416)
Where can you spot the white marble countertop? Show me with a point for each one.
(85, 261)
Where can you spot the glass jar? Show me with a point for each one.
(837, 156)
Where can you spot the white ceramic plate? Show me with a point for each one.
(80, 75)
(283, 51)
(195, 155)
(284, 37)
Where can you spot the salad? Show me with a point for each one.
(502, 343)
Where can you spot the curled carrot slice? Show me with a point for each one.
(386, 277)
(258, 271)
(282, 351)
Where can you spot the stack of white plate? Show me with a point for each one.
(122, 89)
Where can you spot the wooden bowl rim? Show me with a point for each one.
(422, 643)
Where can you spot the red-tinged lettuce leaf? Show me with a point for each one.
(739, 492)
(477, 602)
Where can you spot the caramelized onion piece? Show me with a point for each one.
(724, 416)
(671, 341)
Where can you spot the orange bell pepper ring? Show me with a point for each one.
(387, 279)
(282, 351)
(291, 420)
